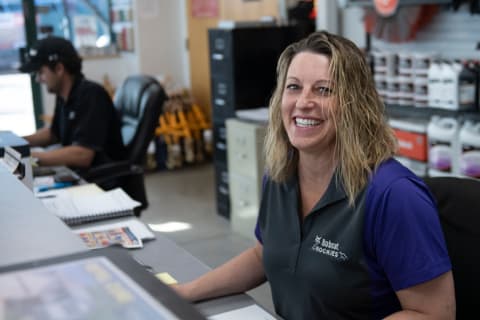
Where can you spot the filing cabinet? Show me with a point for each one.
(245, 172)
(222, 189)
(243, 74)
(243, 65)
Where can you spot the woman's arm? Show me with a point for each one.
(240, 274)
(434, 299)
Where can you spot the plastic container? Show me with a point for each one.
(405, 64)
(420, 92)
(405, 91)
(435, 85)
(421, 62)
(391, 95)
(469, 160)
(381, 84)
(391, 61)
(467, 88)
(442, 134)
(449, 86)
(379, 62)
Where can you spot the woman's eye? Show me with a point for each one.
(292, 86)
(324, 91)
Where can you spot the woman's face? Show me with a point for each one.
(307, 104)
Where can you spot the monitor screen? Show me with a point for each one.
(16, 104)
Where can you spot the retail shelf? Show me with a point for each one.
(369, 3)
(427, 113)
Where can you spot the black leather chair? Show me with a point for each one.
(458, 201)
(140, 102)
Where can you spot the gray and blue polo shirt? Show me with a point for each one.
(345, 262)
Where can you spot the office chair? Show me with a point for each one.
(140, 102)
(458, 202)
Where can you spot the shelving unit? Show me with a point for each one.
(426, 113)
(369, 3)
(122, 24)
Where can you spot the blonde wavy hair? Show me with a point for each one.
(363, 137)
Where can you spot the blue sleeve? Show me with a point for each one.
(258, 233)
(403, 233)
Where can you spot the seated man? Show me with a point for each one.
(85, 122)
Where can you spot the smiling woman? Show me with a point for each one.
(335, 205)
(307, 104)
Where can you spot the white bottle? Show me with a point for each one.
(434, 84)
(454, 103)
(469, 160)
(448, 86)
(442, 135)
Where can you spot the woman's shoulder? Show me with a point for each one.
(389, 172)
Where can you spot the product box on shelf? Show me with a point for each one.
(412, 138)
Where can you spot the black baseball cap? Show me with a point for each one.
(49, 51)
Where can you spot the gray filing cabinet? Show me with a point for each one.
(245, 171)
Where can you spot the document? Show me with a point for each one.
(88, 207)
(129, 233)
(135, 225)
(105, 238)
(252, 312)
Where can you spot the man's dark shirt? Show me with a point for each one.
(89, 119)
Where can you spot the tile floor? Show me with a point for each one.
(188, 195)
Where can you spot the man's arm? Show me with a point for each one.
(72, 156)
(41, 138)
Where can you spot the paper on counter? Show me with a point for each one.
(136, 226)
(252, 312)
(101, 239)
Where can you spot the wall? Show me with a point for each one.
(351, 25)
(160, 37)
(198, 39)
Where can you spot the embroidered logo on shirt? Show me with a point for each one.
(71, 115)
(328, 248)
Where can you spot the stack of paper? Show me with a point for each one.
(87, 204)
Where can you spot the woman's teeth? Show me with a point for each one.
(306, 122)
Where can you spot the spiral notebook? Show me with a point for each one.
(83, 208)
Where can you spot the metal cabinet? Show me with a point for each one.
(242, 68)
(245, 171)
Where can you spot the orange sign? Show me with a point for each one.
(386, 8)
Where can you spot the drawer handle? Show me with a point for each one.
(219, 102)
(242, 156)
(217, 56)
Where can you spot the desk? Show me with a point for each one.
(163, 255)
(30, 232)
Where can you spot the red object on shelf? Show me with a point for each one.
(402, 26)
(412, 145)
(386, 8)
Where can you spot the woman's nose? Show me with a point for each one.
(305, 99)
